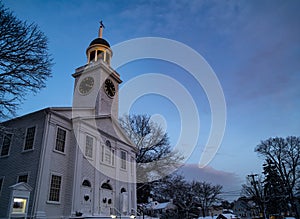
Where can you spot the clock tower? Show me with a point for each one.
(96, 83)
(104, 159)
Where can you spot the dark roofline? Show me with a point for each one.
(46, 110)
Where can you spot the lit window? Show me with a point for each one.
(23, 178)
(29, 139)
(89, 146)
(19, 206)
(60, 140)
(6, 144)
(123, 160)
(55, 185)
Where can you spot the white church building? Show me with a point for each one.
(72, 162)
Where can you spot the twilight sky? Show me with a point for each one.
(252, 46)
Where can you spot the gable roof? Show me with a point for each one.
(112, 127)
(21, 187)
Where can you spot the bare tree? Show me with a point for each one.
(190, 197)
(155, 157)
(284, 153)
(206, 195)
(174, 187)
(25, 63)
(254, 191)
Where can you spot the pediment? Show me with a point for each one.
(21, 187)
(107, 125)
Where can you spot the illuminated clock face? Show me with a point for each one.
(86, 85)
(109, 88)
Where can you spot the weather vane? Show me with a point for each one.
(101, 24)
(101, 29)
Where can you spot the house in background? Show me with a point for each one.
(62, 162)
(245, 208)
(156, 209)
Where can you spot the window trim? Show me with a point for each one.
(65, 143)
(22, 174)
(9, 148)
(34, 138)
(60, 189)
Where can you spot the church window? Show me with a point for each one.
(6, 144)
(106, 186)
(89, 146)
(107, 143)
(112, 157)
(86, 183)
(108, 154)
(60, 140)
(55, 187)
(123, 159)
(29, 139)
(23, 178)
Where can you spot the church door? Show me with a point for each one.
(86, 198)
(106, 199)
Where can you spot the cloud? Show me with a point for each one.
(230, 181)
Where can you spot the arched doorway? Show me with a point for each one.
(106, 199)
(86, 197)
(124, 201)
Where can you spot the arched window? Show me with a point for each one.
(106, 186)
(123, 190)
(86, 183)
(107, 143)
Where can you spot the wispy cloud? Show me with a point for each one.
(229, 181)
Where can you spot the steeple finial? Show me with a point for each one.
(101, 29)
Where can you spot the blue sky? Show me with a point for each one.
(252, 46)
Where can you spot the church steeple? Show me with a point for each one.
(99, 48)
